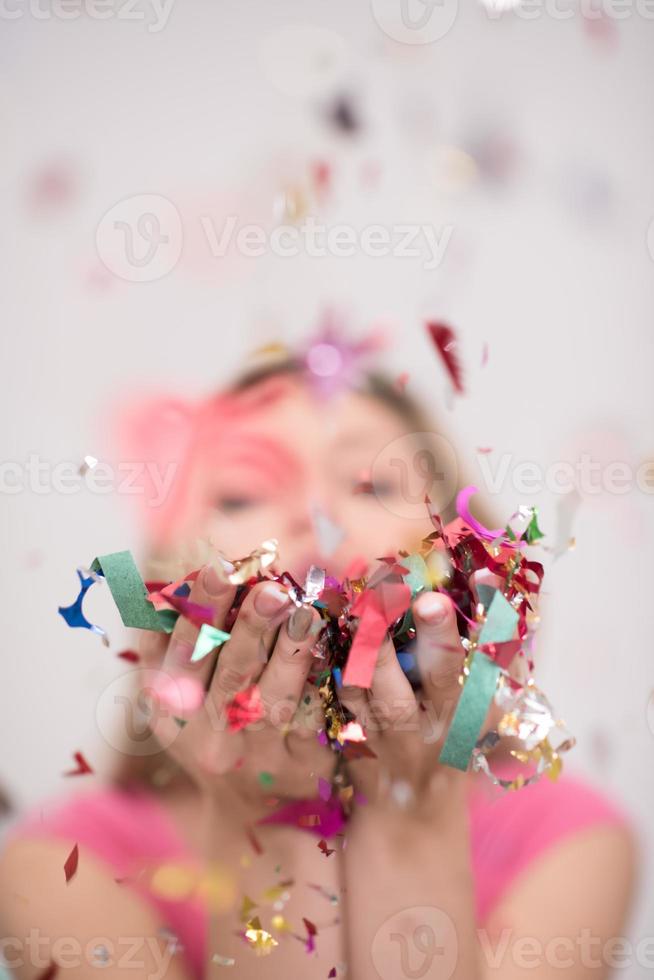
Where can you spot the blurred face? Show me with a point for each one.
(299, 470)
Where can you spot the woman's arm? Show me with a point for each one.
(410, 898)
(410, 907)
(565, 914)
(46, 920)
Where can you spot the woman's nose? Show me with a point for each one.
(313, 525)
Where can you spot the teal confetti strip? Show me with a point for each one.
(208, 639)
(478, 690)
(130, 594)
(417, 578)
(486, 594)
(470, 712)
(501, 621)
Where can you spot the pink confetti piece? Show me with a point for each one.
(325, 819)
(463, 510)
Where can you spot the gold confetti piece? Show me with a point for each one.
(218, 888)
(272, 894)
(246, 908)
(279, 923)
(261, 941)
(173, 881)
(257, 561)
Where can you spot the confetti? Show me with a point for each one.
(71, 862)
(372, 603)
(130, 655)
(260, 940)
(245, 708)
(88, 463)
(324, 818)
(82, 767)
(74, 614)
(223, 960)
(208, 639)
(254, 841)
(312, 932)
(446, 344)
(50, 971)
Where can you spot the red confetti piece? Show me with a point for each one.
(70, 866)
(82, 766)
(332, 973)
(130, 655)
(49, 972)
(377, 609)
(312, 932)
(254, 841)
(325, 848)
(245, 708)
(446, 344)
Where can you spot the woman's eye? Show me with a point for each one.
(231, 505)
(380, 488)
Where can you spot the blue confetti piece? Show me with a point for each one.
(74, 614)
(337, 676)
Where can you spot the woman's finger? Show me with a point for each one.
(283, 678)
(209, 589)
(439, 653)
(243, 657)
(392, 702)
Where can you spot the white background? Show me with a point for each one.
(550, 267)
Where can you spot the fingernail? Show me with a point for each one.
(212, 581)
(433, 609)
(181, 651)
(270, 600)
(299, 623)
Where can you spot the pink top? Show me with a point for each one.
(129, 828)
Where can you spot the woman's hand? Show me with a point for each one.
(405, 731)
(270, 645)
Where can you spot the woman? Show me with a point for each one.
(433, 875)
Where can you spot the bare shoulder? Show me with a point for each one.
(566, 910)
(47, 919)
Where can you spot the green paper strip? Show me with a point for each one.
(208, 639)
(486, 594)
(470, 712)
(130, 594)
(501, 621)
(417, 578)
